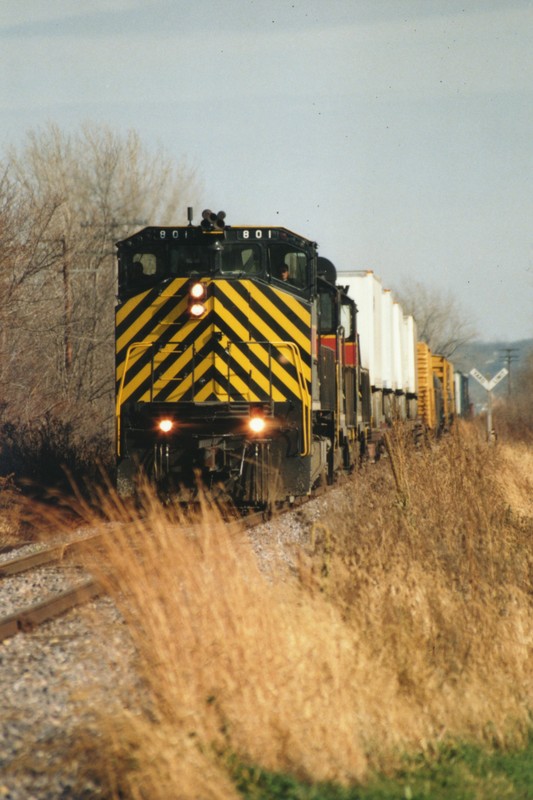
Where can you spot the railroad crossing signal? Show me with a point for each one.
(489, 386)
(497, 378)
(480, 378)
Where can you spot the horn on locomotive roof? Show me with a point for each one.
(211, 221)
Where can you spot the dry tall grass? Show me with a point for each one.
(410, 622)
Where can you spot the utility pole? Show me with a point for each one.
(64, 257)
(67, 295)
(509, 358)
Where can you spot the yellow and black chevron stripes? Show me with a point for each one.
(253, 344)
(138, 317)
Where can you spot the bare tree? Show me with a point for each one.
(64, 201)
(441, 321)
(24, 268)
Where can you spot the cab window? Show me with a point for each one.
(348, 321)
(147, 264)
(288, 263)
(237, 259)
(142, 270)
(189, 258)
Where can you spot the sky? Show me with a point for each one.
(395, 133)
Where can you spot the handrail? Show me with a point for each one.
(304, 394)
(131, 348)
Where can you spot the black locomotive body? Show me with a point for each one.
(236, 363)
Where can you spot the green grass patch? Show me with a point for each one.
(460, 772)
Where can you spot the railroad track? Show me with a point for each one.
(28, 618)
(44, 557)
(54, 605)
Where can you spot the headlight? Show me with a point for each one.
(197, 296)
(165, 425)
(257, 424)
(196, 309)
(197, 291)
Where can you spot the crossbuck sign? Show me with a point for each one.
(488, 385)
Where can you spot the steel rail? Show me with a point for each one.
(41, 558)
(27, 619)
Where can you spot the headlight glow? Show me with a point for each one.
(196, 309)
(165, 425)
(257, 424)
(197, 291)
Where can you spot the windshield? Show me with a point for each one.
(238, 259)
(147, 266)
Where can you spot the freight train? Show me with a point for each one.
(246, 365)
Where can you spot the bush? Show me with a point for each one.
(48, 453)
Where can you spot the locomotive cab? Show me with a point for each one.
(155, 256)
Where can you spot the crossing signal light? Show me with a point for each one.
(211, 221)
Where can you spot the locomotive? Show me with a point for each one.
(236, 363)
(239, 366)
